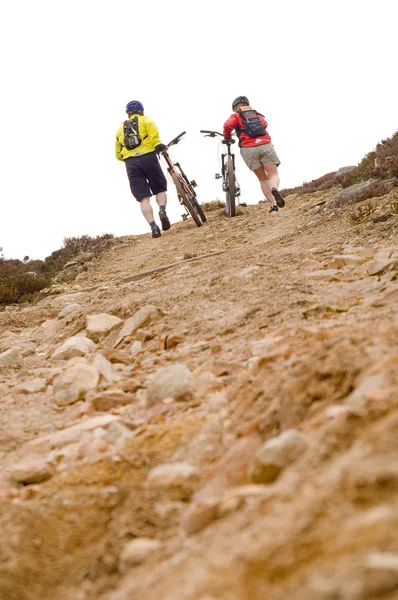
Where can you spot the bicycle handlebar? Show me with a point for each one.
(211, 133)
(176, 139)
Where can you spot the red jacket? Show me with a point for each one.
(246, 141)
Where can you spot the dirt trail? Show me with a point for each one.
(288, 333)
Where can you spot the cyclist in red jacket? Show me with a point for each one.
(256, 148)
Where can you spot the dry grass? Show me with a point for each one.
(21, 280)
(379, 164)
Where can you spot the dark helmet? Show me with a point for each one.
(134, 106)
(240, 100)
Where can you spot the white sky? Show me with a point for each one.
(322, 72)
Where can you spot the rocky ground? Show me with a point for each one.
(223, 429)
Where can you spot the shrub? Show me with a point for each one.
(380, 163)
(21, 280)
(213, 205)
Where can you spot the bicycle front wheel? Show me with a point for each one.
(200, 211)
(230, 205)
(190, 204)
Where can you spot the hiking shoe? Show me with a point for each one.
(156, 232)
(273, 209)
(278, 197)
(164, 219)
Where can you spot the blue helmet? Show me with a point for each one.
(134, 106)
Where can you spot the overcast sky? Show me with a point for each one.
(322, 73)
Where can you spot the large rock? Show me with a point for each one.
(98, 326)
(143, 316)
(73, 384)
(343, 170)
(136, 552)
(276, 454)
(78, 345)
(174, 381)
(358, 192)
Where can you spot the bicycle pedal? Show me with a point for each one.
(193, 183)
(218, 176)
(184, 217)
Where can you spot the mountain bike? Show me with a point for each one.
(230, 184)
(185, 188)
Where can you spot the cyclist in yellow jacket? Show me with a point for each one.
(137, 145)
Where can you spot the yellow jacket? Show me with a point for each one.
(149, 134)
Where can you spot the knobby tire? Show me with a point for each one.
(231, 189)
(192, 207)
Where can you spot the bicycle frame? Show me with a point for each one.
(184, 187)
(224, 161)
(176, 169)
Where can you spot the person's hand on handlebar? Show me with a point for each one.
(230, 141)
(160, 148)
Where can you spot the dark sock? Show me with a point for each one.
(153, 225)
(162, 208)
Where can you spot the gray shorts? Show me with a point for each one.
(255, 156)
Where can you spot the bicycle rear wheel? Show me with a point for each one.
(191, 204)
(230, 205)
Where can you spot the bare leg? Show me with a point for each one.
(262, 175)
(273, 177)
(146, 209)
(161, 198)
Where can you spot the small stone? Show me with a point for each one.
(11, 358)
(98, 326)
(174, 381)
(136, 347)
(248, 270)
(336, 410)
(143, 316)
(33, 386)
(72, 385)
(70, 435)
(78, 345)
(111, 399)
(359, 397)
(310, 263)
(182, 476)
(31, 471)
(200, 515)
(389, 296)
(143, 335)
(276, 454)
(378, 266)
(105, 369)
(136, 552)
(383, 560)
(69, 309)
(172, 340)
(117, 356)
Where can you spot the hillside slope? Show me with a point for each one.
(284, 327)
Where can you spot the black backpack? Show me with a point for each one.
(252, 124)
(132, 138)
